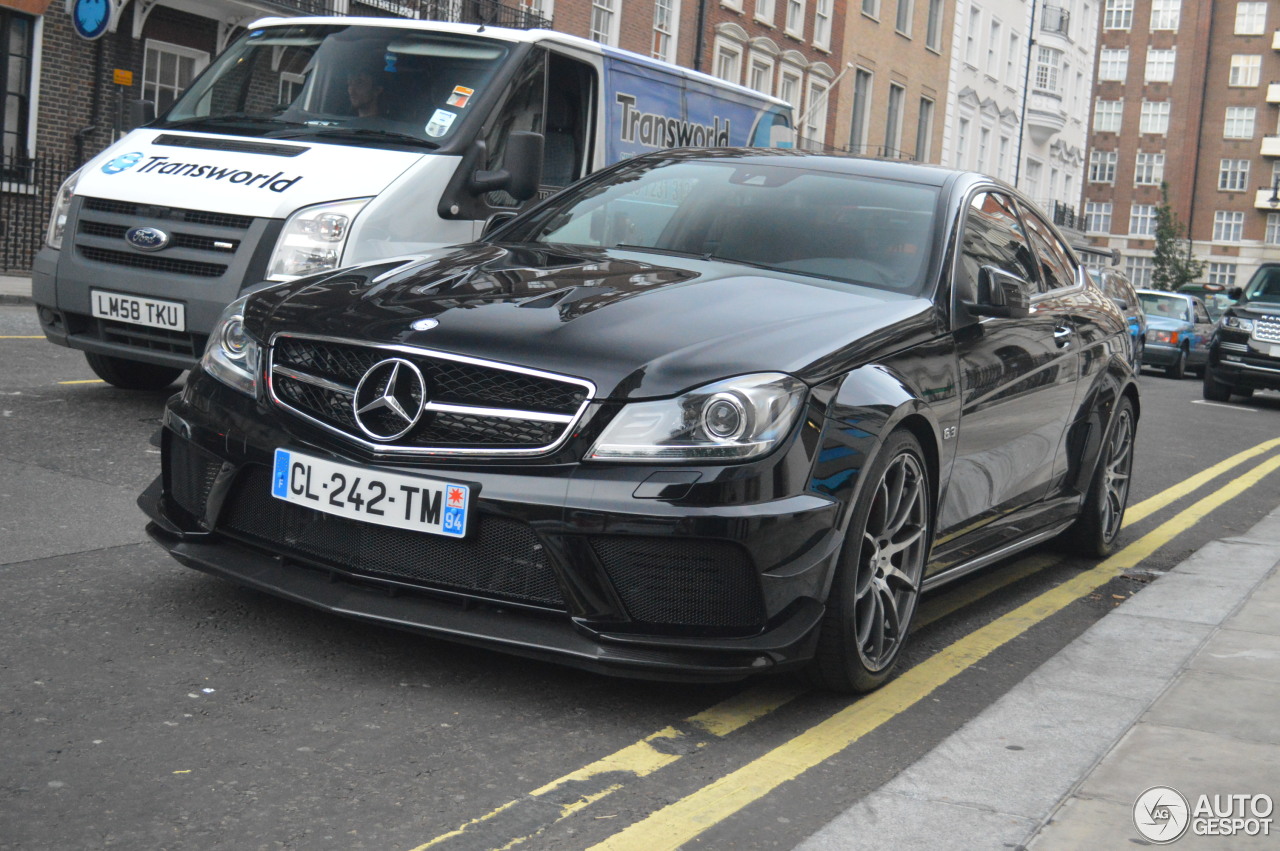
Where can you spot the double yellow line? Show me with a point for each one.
(682, 821)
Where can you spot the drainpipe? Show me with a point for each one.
(1026, 87)
(700, 39)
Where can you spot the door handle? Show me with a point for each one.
(1062, 336)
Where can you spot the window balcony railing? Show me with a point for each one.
(1056, 20)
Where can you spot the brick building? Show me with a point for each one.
(1184, 96)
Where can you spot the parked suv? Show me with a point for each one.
(1244, 354)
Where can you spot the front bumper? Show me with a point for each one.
(1245, 363)
(600, 567)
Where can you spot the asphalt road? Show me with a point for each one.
(144, 705)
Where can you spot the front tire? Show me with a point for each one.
(1095, 531)
(877, 583)
(130, 374)
(1178, 369)
(1215, 390)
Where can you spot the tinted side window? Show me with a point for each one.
(1202, 315)
(992, 237)
(1056, 268)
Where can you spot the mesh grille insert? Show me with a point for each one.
(155, 264)
(191, 473)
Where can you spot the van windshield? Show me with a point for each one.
(353, 85)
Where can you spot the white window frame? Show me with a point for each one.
(1108, 116)
(1154, 118)
(816, 105)
(933, 25)
(1139, 270)
(1148, 169)
(1102, 166)
(1221, 273)
(1228, 225)
(1160, 65)
(671, 33)
(892, 134)
(994, 40)
(1272, 236)
(611, 13)
(1048, 70)
(1240, 122)
(765, 11)
(962, 143)
(926, 111)
(1233, 175)
(1012, 55)
(1251, 18)
(201, 58)
(1166, 14)
(1246, 70)
(795, 74)
(973, 32)
(1097, 217)
(794, 23)
(1118, 15)
(1142, 220)
(907, 7)
(1113, 63)
(733, 51)
(871, 8)
(823, 10)
(760, 62)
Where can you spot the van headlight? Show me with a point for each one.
(232, 355)
(61, 209)
(730, 420)
(313, 239)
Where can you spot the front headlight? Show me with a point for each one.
(1167, 337)
(61, 209)
(232, 356)
(313, 239)
(1238, 323)
(730, 420)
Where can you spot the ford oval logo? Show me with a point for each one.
(146, 239)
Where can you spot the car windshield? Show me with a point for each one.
(1167, 306)
(1265, 285)
(862, 230)
(355, 85)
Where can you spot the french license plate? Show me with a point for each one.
(171, 315)
(371, 496)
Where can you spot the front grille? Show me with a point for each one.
(190, 473)
(146, 337)
(148, 211)
(1266, 329)
(470, 407)
(154, 263)
(177, 240)
(500, 559)
(683, 582)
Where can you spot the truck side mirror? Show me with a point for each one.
(521, 169)
(1001, 294)
(140, 113)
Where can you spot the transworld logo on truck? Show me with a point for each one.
(660, 131)
(162, 165)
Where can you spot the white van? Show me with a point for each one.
(314, 143)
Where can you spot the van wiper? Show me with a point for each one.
(237, 118)
(364, 133)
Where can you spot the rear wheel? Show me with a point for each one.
(1215, 390)
(131, 374)
(1094, 533)
(1178, 369)
(877, 583)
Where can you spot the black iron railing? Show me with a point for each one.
(1056, 20)
(27, 189)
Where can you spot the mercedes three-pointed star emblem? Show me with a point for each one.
(389, 399)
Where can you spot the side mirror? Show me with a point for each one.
(1234, 293)
(1001, 294)
(497, 220)
(140, 113)
(521, 169)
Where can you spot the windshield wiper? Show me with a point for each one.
(364, 133)
(232, 118)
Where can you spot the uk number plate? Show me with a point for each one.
(171, 315)
(371, 496)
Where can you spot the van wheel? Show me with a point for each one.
(131, 374)
(877, 583)
(1215, 390)
(1095, 531)
(1178, 369)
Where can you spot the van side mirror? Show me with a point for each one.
(1001, 294)
(520, 172)
(140, 113)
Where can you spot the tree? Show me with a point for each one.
(1174, 263)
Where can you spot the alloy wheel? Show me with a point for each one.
(1118, 465)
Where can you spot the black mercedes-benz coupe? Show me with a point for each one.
(706, 414)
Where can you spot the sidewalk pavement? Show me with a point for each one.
(15, 289)
(1177, 687)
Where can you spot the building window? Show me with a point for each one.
(16, 51)
(1032, 184)
(1239, 122)
(962, 143)
(858, 126)
(924, 131)
(1013, 55)
(666, 14)
(1138, 270)
(1228, 226)
(933, 26)
(789, 87)
(893, 118)
(761, 77)
(1222, 273)
(903, 22)
(1097, 217)
(815, 118)
(604, 21)
(1273, 229)
(1118, 15)
(1048, 63)
(984, 148)
(1251, 18)
(1233, 175)
(1002, 158)
(822, 24)
(1154, 117)
(795, 18)
(871, 8)
(167, 71)
(971, 36)
(1160, 66)
(993, 49)
(1148, 170)
(764, 11)
(1165, 14)
(728, 62)
(544, 9)
(1245, 70)
(1102, 166)
(1113, 63)
(1142, 220)
(1107, 115)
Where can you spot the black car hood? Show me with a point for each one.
(634, 327)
